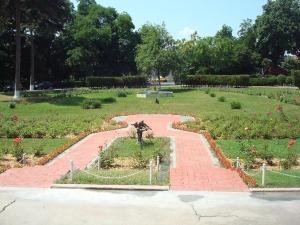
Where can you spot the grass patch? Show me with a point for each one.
(278, 180)
(125, 156)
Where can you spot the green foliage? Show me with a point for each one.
(156, 52)
(213, 95)
(142, 161)
(109, 82)
(18, 151)
(106, 159)
(235, 105)
(222, 99)
(290, 159)
(281, 79)
(296, 75)
(12, 105)
(108, 100)
(267, 154)
(121, 93)
(217, 80)
(277, 28)
(91, 104)
(264, 81)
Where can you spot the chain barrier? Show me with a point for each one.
(284, 174)
(111, 178)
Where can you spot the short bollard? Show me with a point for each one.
(263, 177)
(71, 169)
(150, 172)
(238, 163)
(157, 163)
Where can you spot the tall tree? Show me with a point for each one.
(278, 29)
(155, 53)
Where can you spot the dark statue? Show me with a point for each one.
(141, 127)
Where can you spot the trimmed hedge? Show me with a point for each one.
(264, 81)
(109, 82)
(217, 80)
(239, 80)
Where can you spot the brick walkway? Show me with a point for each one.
(194, 170)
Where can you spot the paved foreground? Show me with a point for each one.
(193, 167)
(76, 207)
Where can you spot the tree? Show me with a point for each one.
(84, 5)
(278, 29)
(155, 54)
(104, 43)
(225, 32)
(28, 13)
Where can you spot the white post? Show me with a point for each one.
(238, 164)
(71, 169)
(157, 163)
(150, 172)
(24, 158)
(263, 178)
(99, 162)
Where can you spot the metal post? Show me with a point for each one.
(71, 169)
(157, 163)
(238, 164)
(263, 178)
(150, 172)
(99, 162)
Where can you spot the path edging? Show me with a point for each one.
(275, 189)
(112, 187)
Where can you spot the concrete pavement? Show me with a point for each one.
(76, 207)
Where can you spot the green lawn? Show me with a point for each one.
(56, 117)
(127, 149)
(278, 180)
(45, 145)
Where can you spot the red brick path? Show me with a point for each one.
(194, 170)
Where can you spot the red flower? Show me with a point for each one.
(100, 147)
(291, 143)
(18, 140)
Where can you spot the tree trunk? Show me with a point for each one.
(31, 87)
(18, 84)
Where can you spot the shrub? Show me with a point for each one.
(221, 99)
(141, 161)
(91, 104)
(281, 80)
(217, 80)
(37, 150)
(12, 105)
(290, 80)
(213, 95)
(18, 151)
(106, 159)
(267, 154)
(264, 81)
(126, 81)
(121, 94)
(109, 100)
(296, 76)
(207, 91)
(235, 105)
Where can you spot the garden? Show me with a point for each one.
(254, 124)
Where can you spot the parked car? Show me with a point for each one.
(45, 85)
(8, 88)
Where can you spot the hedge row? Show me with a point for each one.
(296, 75)
(126, 81)
(217, 80)
(271, 81)
(238, 80)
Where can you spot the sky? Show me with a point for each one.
(184, 17)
